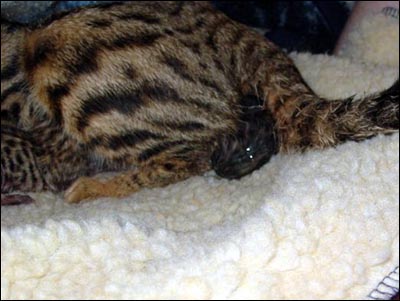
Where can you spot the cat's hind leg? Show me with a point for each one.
(157, 173)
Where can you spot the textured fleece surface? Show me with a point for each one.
(319, 225)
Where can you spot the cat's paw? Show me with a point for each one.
(83, 189)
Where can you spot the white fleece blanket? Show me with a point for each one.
(319, 225)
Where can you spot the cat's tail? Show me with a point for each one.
(319, 123)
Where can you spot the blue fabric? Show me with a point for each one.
(312, 26)
(33, 12)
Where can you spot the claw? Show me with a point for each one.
(16, 199)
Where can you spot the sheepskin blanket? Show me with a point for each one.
(319, 225)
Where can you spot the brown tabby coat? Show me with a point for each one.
(158, 91)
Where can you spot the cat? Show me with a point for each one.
(158, 92)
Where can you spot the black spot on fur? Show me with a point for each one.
(19, 159)
(41, 52)
(134, 40)
(200, 23)
(210, 41)
(6, 115)
(178, 66)
(130, 72)
(211, 84)
(160, 91)
(203, 65)
(55, 93)
(169, 32)
(15, 110)
(169, 166)
(192, 46)
(250, 49)
(7, 151)
(178, 9)
(140, 17)
(12, 166)
(219, 66)
(99, 23)
(10, 143)
(86, 60)
(185, 30)
(11, 69)
(16, 87)
(237, 36)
